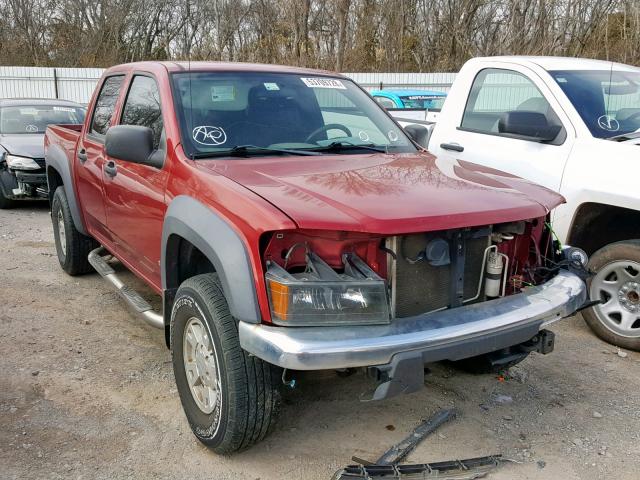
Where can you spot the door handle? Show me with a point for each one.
(111, 169)
(456, 147)
(82, 155)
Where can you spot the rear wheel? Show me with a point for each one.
(617, 285)
(231, 399)
(72, 247)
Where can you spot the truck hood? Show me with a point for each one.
(387, 194)
(24, 144)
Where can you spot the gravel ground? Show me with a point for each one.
(87, 391)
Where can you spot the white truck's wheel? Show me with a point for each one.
(231, 399)
(617, 285)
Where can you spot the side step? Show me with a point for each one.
(130, 296)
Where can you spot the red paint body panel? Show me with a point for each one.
(387, 194)
(375, 194)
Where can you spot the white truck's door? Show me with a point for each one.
(469, 124)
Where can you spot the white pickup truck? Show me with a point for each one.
(572, 125)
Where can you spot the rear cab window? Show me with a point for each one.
(497, 91)
(105, 105)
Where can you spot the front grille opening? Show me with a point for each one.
(422, 286)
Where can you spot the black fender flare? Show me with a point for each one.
(56, 159)
(218, 241)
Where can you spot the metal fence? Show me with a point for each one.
(431, 81)
(77, 84)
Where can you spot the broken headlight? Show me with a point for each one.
(21, 163)
(321, 296)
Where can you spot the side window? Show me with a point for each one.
(495, 92)
(105, 105)
(385, 102)
(142, 106)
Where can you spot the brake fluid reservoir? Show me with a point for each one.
(493, 274)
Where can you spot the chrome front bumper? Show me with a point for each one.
(449, 334)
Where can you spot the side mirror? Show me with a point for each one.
(528, 125)
(132, 143)
(418, 134)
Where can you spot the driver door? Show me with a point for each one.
(134, 193)
(476, 137)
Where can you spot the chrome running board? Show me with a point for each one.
(133, 299)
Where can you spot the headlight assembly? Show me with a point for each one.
(21, 163)
(321, 296)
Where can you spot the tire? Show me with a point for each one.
(72, 247)
(6, 203)
(617, 283)
(486, 363)
(242, 390)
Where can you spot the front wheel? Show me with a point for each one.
(616, 285)
(231, 399)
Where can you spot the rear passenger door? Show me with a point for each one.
(90, 158)
(476, 136)
(134, 193)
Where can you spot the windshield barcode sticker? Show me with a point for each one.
(319, 82)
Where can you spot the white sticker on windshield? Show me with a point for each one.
(64, 109)
(271, 86)
(28, 111)
(321, 82)
(208, 135)
(608, 123)
(364, 136)
(223, 93)
(393, 136)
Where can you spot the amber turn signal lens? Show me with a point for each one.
(279, 299)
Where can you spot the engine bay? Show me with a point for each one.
(328, 278)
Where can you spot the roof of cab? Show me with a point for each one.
(561, 63)
(175, 67)
(408, 93)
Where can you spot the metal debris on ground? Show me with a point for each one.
(399, 451)
(387, 467)
(450, 470)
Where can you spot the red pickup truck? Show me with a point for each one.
(290, 223)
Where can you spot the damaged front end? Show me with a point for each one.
(394, 303)
(23, 178)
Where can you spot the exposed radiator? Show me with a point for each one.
(421, 287)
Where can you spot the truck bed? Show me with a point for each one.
(64, 136)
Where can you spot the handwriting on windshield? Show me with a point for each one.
(209, 135)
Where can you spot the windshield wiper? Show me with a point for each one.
(343, 145)
(624, 136)
(248, 150)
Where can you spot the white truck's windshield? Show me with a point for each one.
(224, 111)
(607, 101)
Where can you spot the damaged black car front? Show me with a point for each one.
(22, 126)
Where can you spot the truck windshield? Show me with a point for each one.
(259, 111)
(607, 101)
(35, 118)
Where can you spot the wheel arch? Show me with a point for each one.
(59, 174)
(595, 225)
(194, 233)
